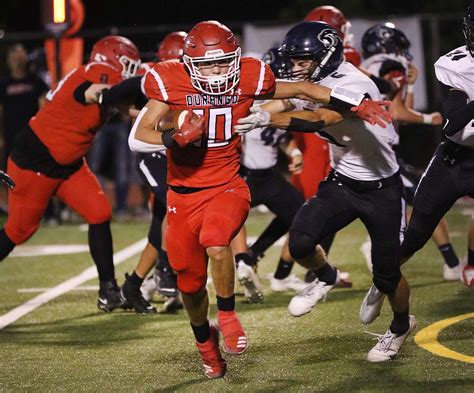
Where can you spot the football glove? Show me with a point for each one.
(257, 118)
(373, 112)
(189, 132)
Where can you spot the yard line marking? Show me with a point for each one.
(66, 286)
(49, 249)
(427, 339)
(81, 288)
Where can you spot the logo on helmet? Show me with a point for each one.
(329, 38)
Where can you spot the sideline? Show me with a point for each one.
(427, 338)
(66, 286)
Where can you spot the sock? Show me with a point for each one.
(100, 245)
(327, 273)
(450, 257)
(226, 303)
(283, 269)
(163, 263)
(400, 323)
(135, 280)
(202, 332)
(270, 235)
(6, 245)
(244, 257)
(326, 243)
(470, 257)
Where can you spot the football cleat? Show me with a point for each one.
(172, 304)
(212, 362)
(235, 339)
(148, 288)
(305, 300)
(371, 305)
(166, 282)
(468, 276)
(249, 280)
(290, 283)
(388, 344)
(134, 298)
(110, 297)
(452, 273)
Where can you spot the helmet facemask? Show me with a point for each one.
(129, 66)
(214, 84)
(468, 31)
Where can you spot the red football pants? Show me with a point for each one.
(200, 220)
(29, 199)
(317, 162)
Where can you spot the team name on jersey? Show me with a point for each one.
(208, 100)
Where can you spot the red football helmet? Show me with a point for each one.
(334, 18)
(207, 43)
(171, 48)
(119, 52)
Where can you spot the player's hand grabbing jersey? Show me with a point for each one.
(455, 69)
(215, 159)
(66, 126)
(359, 150)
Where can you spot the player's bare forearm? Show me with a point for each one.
(303, 90)
(147, 120)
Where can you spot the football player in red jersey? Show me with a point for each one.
(208, 201)
(48, 159)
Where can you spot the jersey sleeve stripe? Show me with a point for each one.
(160, 84)
(142, 85)
(261, 78)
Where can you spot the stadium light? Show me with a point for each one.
(56, 16)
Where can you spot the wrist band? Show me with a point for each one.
(410, 89)
(296, 152)
(427, 118)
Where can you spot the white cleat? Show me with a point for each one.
(290, 283)
(371, 305)
(305, 300)
(388, 344)
(249, 280)
(452, 273)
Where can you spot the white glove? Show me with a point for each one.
(257, 118)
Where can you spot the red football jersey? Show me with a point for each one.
(352, 56)
(214, 160)
(66, 126)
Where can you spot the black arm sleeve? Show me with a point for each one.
(129, 88)
(300, 125)
(457, 110)
(80, 91)
(384, 86)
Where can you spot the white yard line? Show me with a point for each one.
(67, 285)
(81, 288)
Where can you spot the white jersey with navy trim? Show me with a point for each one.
(359, 150)
(456, 69)
(260, 147)
(374, 63)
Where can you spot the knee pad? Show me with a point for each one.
(301, 245)
(22, 231)
(99, 214)
(189, 282)
(387, 283)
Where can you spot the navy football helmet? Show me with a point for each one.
(468, 28)
(315, 41)
(385, 38)
(275, 60)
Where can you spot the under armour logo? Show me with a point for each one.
(171, 209)
(229, 190)
(238, 91)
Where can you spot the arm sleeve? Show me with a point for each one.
(137, 145)
(458, 111)
(129, 88)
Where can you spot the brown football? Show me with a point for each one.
(174, 119)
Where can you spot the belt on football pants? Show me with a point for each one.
(363, 185)
(244, 171)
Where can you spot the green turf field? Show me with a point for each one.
(69, 345)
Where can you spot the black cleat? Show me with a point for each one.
(109, 296)
(133, 298)
(166, 282)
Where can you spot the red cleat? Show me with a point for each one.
(213, 363)
(235, 339)
(468, 276)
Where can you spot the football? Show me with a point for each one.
(174, 119)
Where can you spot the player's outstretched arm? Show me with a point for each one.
(402, 113)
